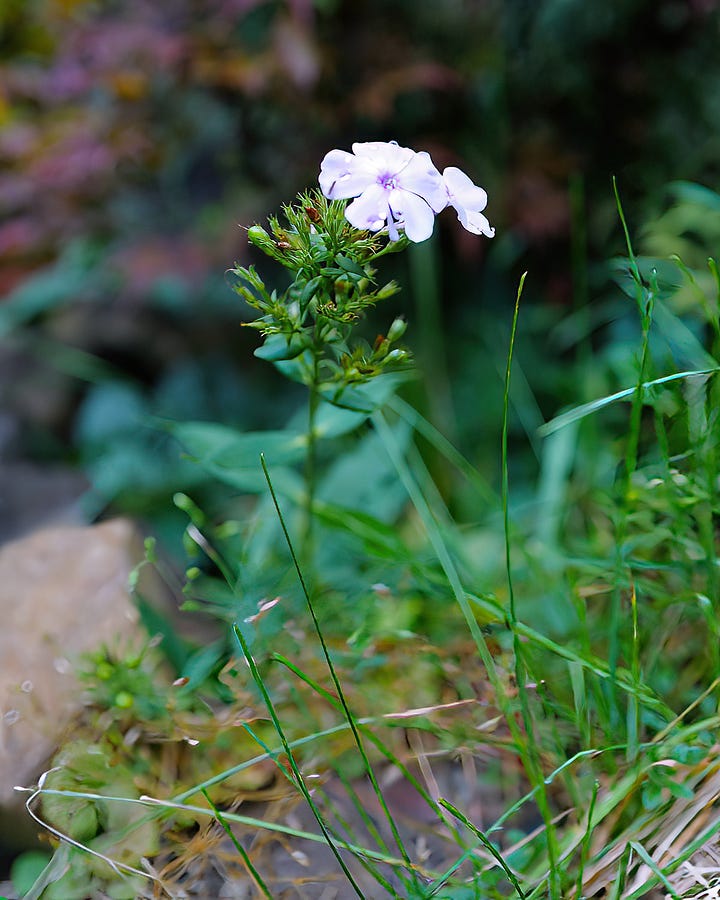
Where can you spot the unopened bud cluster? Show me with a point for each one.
(308, 328)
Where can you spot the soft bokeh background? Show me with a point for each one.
(137, 138)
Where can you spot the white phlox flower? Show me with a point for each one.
(468, 200)
(393, 185)
(396, 187)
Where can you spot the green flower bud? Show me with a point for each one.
(104, 671)
(388, 290)
(258, 236)
(397, 330)
(124, 699)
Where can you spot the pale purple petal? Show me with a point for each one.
(475, 222)
(384, 155)
(370, 209)
(343, 175)
(422, 178)
(413, 213)
(462, 191)
(468, 200)
(392, 226)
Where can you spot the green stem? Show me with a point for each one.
(645, 297)
(311, 457)
(530, 753)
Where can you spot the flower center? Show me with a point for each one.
(388, 181)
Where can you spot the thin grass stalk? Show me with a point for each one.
(645, 300)
(701, 419)
(587, 409)
(443, 446)
(531, 758)
(168, 806)
(621, 878)
(654, 868)
(633, 717)
(374, 833)
(333, 674)
(713, 266)
(257, 678)
(252, 871)
(488, 844)
(592, 664)
(609, 803)
(274, 755)
(449, 568)
(585, 845)
(702, 840)
(377, 743)
(442, 880)
(360, 809)
(670, 727)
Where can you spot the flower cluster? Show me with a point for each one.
(397, 187)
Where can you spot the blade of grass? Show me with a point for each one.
(438, 440)
(702, 840)
(619, 885)
(633, 711)
(585, 846)
(586, 409)
(440, 882)
(374, 739)
(252, 871)
(531, 754)
(645, 298)
(447, 564)
(590, 663)
(168, 806)
(372, 830)
(654, 868)
(488, 844)
(300, 781)
(432, 528)
(333, 674)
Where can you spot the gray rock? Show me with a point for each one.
(63, 592)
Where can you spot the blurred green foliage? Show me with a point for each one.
(136, 137)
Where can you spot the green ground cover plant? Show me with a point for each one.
(560, 647)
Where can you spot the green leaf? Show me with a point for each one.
(364, 478)
(234, 458)
(201, 664)
(586, 409)
(277, 347)
(696, 193)
(224, 446)
(333, 421)
(367, 397)
(26, 869)
(350, 265)
(108, 411)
